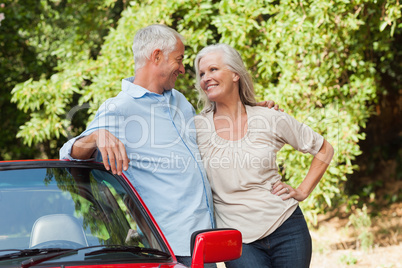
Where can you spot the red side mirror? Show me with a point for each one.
(215, 245)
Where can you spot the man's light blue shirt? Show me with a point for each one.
(165, 165)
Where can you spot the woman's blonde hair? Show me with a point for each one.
(232, 59)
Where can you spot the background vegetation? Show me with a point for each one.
(335, 65)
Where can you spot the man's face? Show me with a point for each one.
(172, 66)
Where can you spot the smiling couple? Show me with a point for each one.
(202, 196)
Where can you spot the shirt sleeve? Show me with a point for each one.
(299, 135)
(204, 129)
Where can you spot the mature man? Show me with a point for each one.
(148, 131)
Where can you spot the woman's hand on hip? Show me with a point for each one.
(286, 191)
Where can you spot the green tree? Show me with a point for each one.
(36, 39)
(323, 62)
(18, 63)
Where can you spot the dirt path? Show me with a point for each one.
(336, 243)
(383, 257)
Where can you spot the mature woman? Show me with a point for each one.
(238, 142)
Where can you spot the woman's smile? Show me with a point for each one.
(216, 80)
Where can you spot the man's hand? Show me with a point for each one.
(110, 147)
(270, 104)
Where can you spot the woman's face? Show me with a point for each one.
(216, 80)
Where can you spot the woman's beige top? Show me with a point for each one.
(242, 172)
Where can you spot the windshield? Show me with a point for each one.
(70, 208)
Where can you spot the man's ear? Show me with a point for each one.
(156, 56)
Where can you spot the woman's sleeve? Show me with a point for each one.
(204, 129)
(299, 135)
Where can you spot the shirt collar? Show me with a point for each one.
(131, 89)
(137, 91)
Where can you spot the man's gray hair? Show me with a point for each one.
(156, 36)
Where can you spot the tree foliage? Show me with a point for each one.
(17, 64)
(323, 61)
(37, 39)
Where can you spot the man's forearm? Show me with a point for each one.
(84, 147)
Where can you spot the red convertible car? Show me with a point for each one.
(76, 214)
